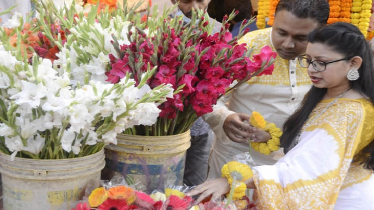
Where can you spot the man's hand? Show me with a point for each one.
(237, 128)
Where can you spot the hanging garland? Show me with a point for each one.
(272, 6)
(345, 12)
(334, 11)
(263, 6)
(365, 16)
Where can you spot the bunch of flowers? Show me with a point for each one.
(199, 64)
(45, 115)
(118, 195)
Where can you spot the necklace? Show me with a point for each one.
(317, 116)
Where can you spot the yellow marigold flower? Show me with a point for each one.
(169, 192)
(366, 6)
(355, 15)
(365, 15)
(238, 170)
(97, 197)
(356, 9)
(257, 120)
(367, 1)
(356, 4)
(355, 21)
(239, 191)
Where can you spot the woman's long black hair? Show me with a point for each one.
(347, 40)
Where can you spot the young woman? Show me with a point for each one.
(329, 140)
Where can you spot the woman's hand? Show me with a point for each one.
(258, 135)
(215, 188)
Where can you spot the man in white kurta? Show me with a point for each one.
(275, 96)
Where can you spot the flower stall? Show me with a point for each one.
(77, 78)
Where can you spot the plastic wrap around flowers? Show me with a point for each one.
(118, 195)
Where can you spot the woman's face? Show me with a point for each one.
(335, 74)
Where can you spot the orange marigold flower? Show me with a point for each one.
(97, 197)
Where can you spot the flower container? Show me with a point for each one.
(48, 184)
(153, 161)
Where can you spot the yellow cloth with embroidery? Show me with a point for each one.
(319, 172)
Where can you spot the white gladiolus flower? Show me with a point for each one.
(6, 130)
(35, 145)
(30, 94)
(110, 137)
(7, 59)
(14, 144)
(146, 114)
(76, 147)
(13, 22)
(4, 80)
(46, 71)
(67, 140)
(56, 104)
(79, 117)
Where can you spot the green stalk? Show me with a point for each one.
(232, 189)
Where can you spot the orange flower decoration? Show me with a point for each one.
(97, 197)
(123, 193)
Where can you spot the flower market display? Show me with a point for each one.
(74, 76)
(117, 194)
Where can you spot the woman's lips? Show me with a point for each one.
(315, 79)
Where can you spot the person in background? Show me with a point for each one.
(244, 7)
(196, 167)
(329, 139)
(274, 96)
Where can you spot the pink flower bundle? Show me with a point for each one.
(200, 66)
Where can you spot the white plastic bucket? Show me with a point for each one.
(48, 184)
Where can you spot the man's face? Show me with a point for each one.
(187, 5)
(289, 34)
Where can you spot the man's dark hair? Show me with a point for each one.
(243, 6)
(314, 9)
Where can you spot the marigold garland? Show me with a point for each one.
(241, 172)
(360, 14)
(272, 7)
(263, 7)
(275, 133)
(345, 12)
